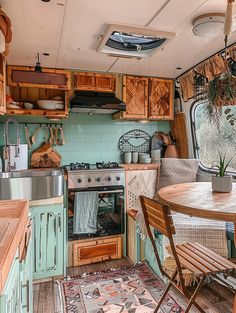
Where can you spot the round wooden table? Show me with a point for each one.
(198, 199)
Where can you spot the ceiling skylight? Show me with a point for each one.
(131, 41)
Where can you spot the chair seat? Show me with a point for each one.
(201, 260)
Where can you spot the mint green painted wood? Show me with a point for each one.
(149, 253)
(49, 235)
(26, 281)
(10, 298)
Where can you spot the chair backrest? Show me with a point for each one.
(159, 217)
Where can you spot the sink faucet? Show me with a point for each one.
(8, 166)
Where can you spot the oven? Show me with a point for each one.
(108, 185)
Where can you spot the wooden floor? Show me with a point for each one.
(213, 299)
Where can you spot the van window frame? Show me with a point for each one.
(195, 145)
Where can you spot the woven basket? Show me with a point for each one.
(169, 267)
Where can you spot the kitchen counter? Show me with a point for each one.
(139, 166)
(13, 222)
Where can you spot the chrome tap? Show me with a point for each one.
(8, 166)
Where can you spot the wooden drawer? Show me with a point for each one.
(92, 251)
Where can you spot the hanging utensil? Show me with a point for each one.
(27, 136)
(56, 139)
(62, 136)
(51, 139)
(35, 134)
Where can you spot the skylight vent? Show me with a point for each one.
(131, 41)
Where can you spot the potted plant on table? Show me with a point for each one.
(221, 182)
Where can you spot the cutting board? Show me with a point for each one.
(45, 156)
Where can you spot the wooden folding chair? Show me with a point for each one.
(203, 262)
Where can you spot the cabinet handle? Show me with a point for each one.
(59, 222)
(27, 296)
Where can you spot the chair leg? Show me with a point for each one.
(193, 297)
(165, 292)
(162, 298)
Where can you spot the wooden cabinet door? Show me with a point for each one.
(105, 83)
(135, 96)
(95, 82)
(161, 99)
(85, 81)
(48, 241)
(92, 251)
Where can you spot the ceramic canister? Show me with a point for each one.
(134, 157)
(127, 157)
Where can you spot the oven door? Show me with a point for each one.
(110, 213)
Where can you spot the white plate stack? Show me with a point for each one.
(156, 156)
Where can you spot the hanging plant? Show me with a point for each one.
(222, 90)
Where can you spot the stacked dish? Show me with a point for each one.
(144, 158)
(50, 104)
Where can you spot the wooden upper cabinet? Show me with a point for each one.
(49, 78)
(161, 98)
(95, 82)
(135, 96)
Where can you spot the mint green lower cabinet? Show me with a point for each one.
(10, 297)
(150, 255)
(26, 282)
(48, 240)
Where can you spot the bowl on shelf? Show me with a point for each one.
(50, 104)
(28, 105)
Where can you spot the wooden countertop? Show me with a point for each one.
(13, 221)
(139, 166)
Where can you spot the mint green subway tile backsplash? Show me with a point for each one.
(88, 138)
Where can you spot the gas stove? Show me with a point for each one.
(95, 176)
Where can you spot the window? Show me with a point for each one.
(212, 136)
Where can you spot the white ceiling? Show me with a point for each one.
(69, 30)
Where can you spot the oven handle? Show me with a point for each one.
(72, 193)
(111, 191)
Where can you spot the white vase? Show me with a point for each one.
(222, 184)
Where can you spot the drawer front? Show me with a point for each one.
(96, 251)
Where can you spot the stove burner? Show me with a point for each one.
(101, 165)
(79, 166)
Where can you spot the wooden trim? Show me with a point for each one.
(11, 68)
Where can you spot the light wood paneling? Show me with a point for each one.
(135, 96)
(161, 99)
(179, 131)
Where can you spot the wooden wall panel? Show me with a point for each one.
(179, 131)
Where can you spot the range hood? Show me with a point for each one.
(91, 102)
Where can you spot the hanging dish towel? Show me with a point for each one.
(85, 212)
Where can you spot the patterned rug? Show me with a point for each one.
(135, 289)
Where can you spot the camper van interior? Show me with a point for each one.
(117, 156)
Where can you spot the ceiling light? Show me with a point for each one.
(208, 25)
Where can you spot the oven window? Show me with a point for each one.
(110, 216)
(213, 136)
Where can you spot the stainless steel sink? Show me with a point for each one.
(32, 184)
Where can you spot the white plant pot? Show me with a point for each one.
(222, 184)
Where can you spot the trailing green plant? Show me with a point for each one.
(221, 165)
